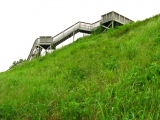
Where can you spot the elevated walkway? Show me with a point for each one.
(109, 20)
(49, 43)
(71, 31)
(113, 19)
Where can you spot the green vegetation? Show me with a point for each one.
(17, 63)
(109, 76)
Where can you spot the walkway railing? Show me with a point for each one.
(52, 42)
(79, 26)
(96, 24)
(32, 49)
(74, 28)
(115, 16)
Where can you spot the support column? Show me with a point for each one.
(50, 48)
(112, 24)
(39, 51)
(73, 36)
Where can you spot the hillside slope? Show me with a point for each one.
(114, 75)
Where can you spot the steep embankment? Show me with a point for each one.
(114, 75)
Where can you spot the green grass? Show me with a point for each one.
(109, 76)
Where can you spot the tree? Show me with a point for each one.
(21, 60)
(17, 62)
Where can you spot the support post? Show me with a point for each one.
(112, 24)
(39, 51)
(73, 36)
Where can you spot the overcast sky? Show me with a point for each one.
(22, 21)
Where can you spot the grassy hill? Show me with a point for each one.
(112, 75)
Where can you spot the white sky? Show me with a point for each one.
(22, 21)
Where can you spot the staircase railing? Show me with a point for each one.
(34, 44)
(73, 28)
(96, 24)
(77, 26)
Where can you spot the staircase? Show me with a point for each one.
(82, 27)
(109, 20)
(72, 30)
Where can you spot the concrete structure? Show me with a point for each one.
(109, 20)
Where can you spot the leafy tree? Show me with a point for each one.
(17, 62)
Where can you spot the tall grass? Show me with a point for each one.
(109, 76)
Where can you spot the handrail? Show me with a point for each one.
(70, 29)
(96, 24)
(81, 27)
(64, 33)
(64, 30)
(116, 16)
(32, 48)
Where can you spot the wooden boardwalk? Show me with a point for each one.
(109, 20)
